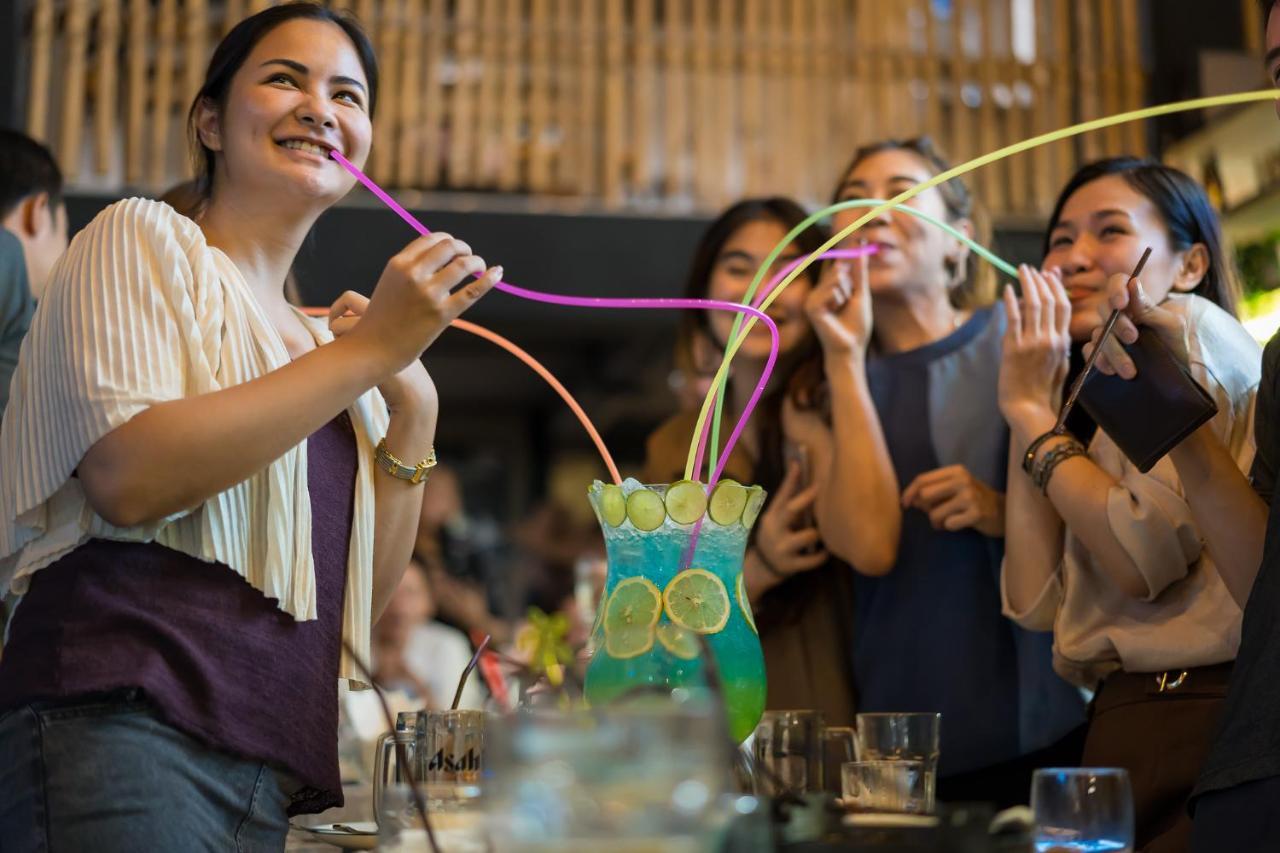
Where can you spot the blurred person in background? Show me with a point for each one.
(33, 235)
(463, 558)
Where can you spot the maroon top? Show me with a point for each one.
(219, 659)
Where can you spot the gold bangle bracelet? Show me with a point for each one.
(415, 474)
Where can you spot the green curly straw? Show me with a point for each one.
(715, 395)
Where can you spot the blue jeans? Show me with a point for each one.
(105, 774)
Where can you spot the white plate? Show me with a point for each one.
(364, 837)
(887, 820)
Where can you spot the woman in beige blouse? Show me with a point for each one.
(1106, 557)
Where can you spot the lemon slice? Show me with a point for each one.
(686, 502)
(634, 602)
(613, 505)
(696, 599)
(680, 642)
(745, 603)
(646, 510)
(628, 642)
(755, 503)
(727, 502)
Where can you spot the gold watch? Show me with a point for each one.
(415, 474)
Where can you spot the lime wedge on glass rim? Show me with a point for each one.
(755, 503)
(613, 504)
(686, 501)
(728, 500)
(646, 510)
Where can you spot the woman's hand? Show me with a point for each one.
(786, 536)
(839, 308)
(1138, 310)
(955, 499)
(409, 390)
(1036, 348)
(415, 298)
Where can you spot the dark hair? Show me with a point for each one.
(788, 214)
(26, 168)
(1184, 208)
(784, 211)
(236, 46)
(974, 285)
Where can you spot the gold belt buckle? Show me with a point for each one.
(1164, 684)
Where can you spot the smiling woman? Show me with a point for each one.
(191, 505)
(1108, 557)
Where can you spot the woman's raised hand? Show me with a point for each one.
(1037, 346)
(839, 308)
(1138, 310)
(418, 296)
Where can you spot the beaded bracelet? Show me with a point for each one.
(1054, 458)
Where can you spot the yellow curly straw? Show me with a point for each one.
(942, 177)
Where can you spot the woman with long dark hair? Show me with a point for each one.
(203, 493)
(1109, 558)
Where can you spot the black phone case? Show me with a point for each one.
(1148, 416)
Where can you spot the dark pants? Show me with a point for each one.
(1159, 730)
(1243, 819)
(106, 775)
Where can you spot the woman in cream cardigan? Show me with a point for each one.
(1108, 558)
(202, 493)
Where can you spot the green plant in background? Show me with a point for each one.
(1259, 265)
(544, 642)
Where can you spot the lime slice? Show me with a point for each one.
(635, 602)
(745, 603)
(727, 502)
(755, 503)
(686, 502)
(613, 505)
(628, 642)
(645, 509)
(680, 642)
(696, 599)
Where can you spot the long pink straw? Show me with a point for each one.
(601, 302)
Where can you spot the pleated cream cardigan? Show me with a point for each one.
(141, 310)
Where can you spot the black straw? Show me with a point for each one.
(466, 673)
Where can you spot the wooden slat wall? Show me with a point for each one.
(76, 40)
(615, 102)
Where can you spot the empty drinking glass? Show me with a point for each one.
(1082, 809)
(788, 752)
(903, 737)
(886, 787)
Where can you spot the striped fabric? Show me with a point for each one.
(141, 310)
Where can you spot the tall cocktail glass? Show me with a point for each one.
(659, 596)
